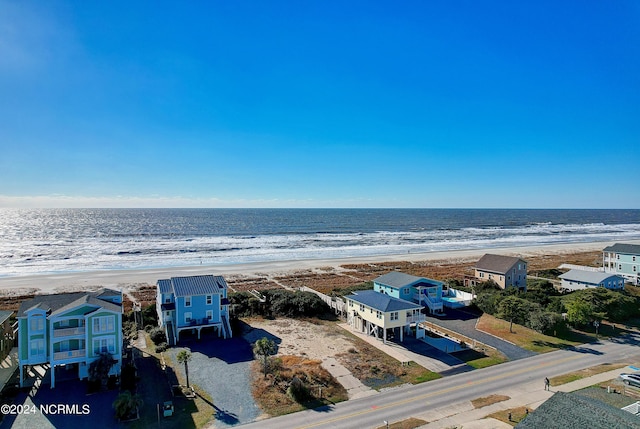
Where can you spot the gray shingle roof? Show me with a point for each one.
(583, 276)
(633, 249)
(55, 304)
(570, 410)
(4, 315)
(197, 285)
(497, 263)
(381, 301)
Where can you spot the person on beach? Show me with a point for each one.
(546, 384)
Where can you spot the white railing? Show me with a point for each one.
(70, 354)
(65, 332)
(416, 318)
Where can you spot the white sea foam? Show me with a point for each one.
(80, 246)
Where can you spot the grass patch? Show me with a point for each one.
(314, 386)
(409, 423)
(528, 338)
(377, 369)
(517, 414)
(189, 413)
(478, 359)
(584, 373)
(488, 400)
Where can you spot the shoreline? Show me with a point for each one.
(129, 279)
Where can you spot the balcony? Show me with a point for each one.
(67, 332)
(416, 318)
(197, 323)
(70, 354)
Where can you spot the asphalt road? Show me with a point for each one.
(404, 402)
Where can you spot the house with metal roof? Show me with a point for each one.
(624, 260)
(68, 332)
(582, 279)
(382, 315)
(192, 304)
(421, 290)
(505, 271)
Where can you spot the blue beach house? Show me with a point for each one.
(65, 333)
(624, 260)
(192, 304)
(423, 291)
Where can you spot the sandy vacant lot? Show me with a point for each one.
(299, 337)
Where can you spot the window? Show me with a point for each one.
(394, 316)
(481, 275)
(209, 314)
(350, 303)
(634, 268)
(187, 301)
(63, 323)
(37, 347)
(406, 291)
(361, 307)
(617, 256)
(167, 300)
(187, 317)
(633, 258)
(104, 345)
(209, 299)
(103, 324)
(620, 266)
(378, 314)
(37, 323)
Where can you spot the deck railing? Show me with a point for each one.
(65, 332)
(70, 354)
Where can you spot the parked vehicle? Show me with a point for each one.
(631, 379)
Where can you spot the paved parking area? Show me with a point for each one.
(87, 411)
(465, 323)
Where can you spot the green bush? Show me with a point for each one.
(162, 347)
(158, 336)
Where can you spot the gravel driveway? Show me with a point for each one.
(465, 323)
(222, 369)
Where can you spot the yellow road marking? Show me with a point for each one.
(438, 392)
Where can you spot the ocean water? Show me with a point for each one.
(37, 241)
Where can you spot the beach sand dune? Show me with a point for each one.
(128, 280)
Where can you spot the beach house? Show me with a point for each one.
(382, 315)
(423, 291)
(623, 259)
(67, 332)
(582, 279)
(192, 304)
(505, 271)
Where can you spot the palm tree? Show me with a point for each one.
(184, 357)
(264, 347)
(126, 403)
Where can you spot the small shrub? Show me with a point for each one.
(158, 336)
(162, 347)
(148, 328)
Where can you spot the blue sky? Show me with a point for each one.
(320, 104)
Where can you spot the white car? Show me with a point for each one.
(632, 379)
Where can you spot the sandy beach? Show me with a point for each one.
(131, 279)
